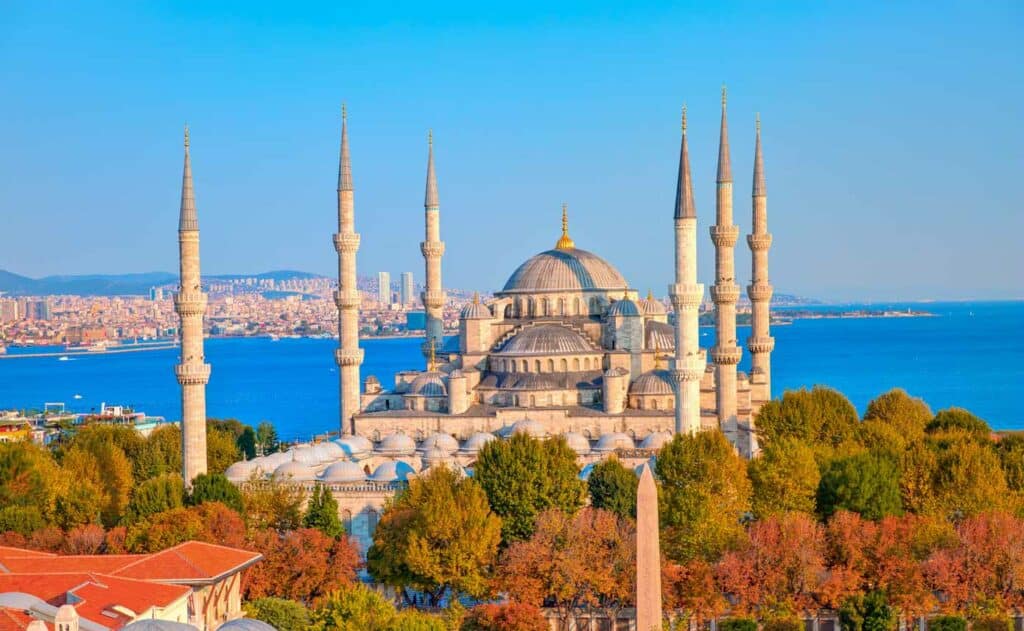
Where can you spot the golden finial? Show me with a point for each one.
(724, 96)
(430, 137)
(186, 135)
(476, 297)
(757, 122)
(650, 295)
(684, 118)
(565, 242)
(432, 361)
(344, 111)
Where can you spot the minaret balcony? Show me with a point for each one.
(433, 299)
(759, 242)
(686, 295)
(725, 293)
(432, 249)
(760, 292)
(347, 357)
(347, 299)
(344, 243)
(724, 236)
(758, 345)
(190, 303)
(192, 374)
(729, 355)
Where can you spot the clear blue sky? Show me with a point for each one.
(892, 133)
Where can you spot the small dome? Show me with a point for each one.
(240, 471)
(306, 454)
(546, 339)
(653, 382)
(577, 442)
(444, 442)
(613, 441)
(392, 471)
(343, 471)
(655, 440)
(617, 371)
(245, 624)
(397, 445)
(354, 445)
(272, 461)
(429, 384)
(476, 442)
(475, 310)
(328, 452)
(624, 307)
(530, 428)
(651, 306)
(435, 455)
(296, 471)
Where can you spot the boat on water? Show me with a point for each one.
(274, 337)
(77, 396)
(63, 358)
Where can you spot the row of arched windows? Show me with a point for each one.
(532, 308)
(549, 365)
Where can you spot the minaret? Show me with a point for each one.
(348, 355)
(725, 292)
(761, 343)
(193, 372)
(432, 248)
(686, 295)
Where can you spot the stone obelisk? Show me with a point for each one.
(648, 555)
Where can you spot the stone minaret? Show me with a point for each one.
(760, 343)
(348, 355)
(193, 372)
(432, 248)
(725, 292)
(686, 295)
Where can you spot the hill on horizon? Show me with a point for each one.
(133, 284)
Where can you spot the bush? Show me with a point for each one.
(947, 623)
(513, 616)
(782, 624)
(280, 613)
(737, 624)
(991, 623)
(214, 487)
(867, 612)
(23, 520)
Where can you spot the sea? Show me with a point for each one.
(969, 355)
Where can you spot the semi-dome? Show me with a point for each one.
(653, 382)
(397, 445)
(392, 471)
(577, 442)
(476, 310)
(240, 471)
(476, 442)
(354, 445)
(245, 624)
(295, 470)
(429, 384)
(613, 441)
(623, 308)
(546, 339)
(529, 427)
(651, 306)
(343, 471)
(660, 335)
(569, 269)
(445, 442)
(655, 440)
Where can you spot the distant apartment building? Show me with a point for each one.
(156, 293)
(406, 289)
(384, 288)
(35, 309)
(9, 311)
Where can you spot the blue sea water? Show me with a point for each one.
(970, 355)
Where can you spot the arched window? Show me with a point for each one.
(545, 307)
(512, 363)
(565, 365)
(551, 365)
(654, 404)
(576, 364)
(526, 366)
(561, 306)
(576, 306)
(508, 311)
(532, 307)
(586, 363)
(533, 401)
(536, 365)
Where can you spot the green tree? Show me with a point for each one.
(23, 520)
(353, 608)
(1011, 457)
(613, 488)
(107, 467)
(820, 415)
(155, 495)
(438, 536)
(412, 620)
(221, 449)
(214, 487)
(738, 624)
(705, 492)
(163, 451)
(80, 503)
(865, 483)
(523, 477)
(273, 505)
(98, 438)
(247, 443)
(959, 418)
(280, 613)
(23, 482)
(322, 513)
(906, 414)
(867, 612)
(266, 437)
(784, 478)
(947, 623)
(969, 479)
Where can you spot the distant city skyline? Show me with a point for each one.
(891, 137)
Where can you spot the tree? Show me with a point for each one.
(353, 608)
(413, 620)
(906, 414)
(107, 467)
(87, 539)
(98, 438)
(322, 513)
(784, 478)
(705, 492)
(303, 565)
(214, 487)
(439, 535)
(246, 443)
(273, 504)
(266, 438)
(221, 449)
(23, 482)
(79, 503)
(155, 496)
(511, 616)
(523, 476)
(959, 418)
(690, 588)
(738, 624)
(1011, 457)
(163, 530)
(282, 614)
(820, 415)
(162, 453)
(969, 478)
(865, 483)
(613, 488)
(867, 612)
(23, 520)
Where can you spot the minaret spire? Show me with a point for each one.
(686, 295)
(348, 355)
(433, 249)
(192, 372)
(724, 163)
(760, 343)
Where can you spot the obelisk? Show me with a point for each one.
(648, 555)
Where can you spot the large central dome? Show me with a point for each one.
(568, 269)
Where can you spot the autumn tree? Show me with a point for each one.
(322, 513)
(1011, 457)
(96, 439)
(163, 530)
(959, 418)
(303, 565)
(524, 476)
(155, 496)
(272, 504)
(353, 607)
(436, 537)
(865, 483)
(27, 476)
(214, 487)
(279, 613)
(107, 468)
(23, 520)
(905, 414)
(705, 492)
(784, 478)
(78, 503)
(613, 487)
(87, 539)
(820, 415)
(969, 478)
(221, 449)
(511, 616)
(691, 590)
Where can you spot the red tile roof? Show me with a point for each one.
(101, 563)
(14, 620)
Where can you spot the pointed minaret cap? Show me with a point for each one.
(431, 200)
(724, 164)
(187, 218)
(345, 162)
(685, 208)
(565, 242)
(760, 186)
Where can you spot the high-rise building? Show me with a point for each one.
(8, 310)
(156, 293)
(406, 289)
(384, 288)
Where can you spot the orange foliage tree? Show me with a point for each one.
(303, 565)
(691, 591)
(512, 616)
